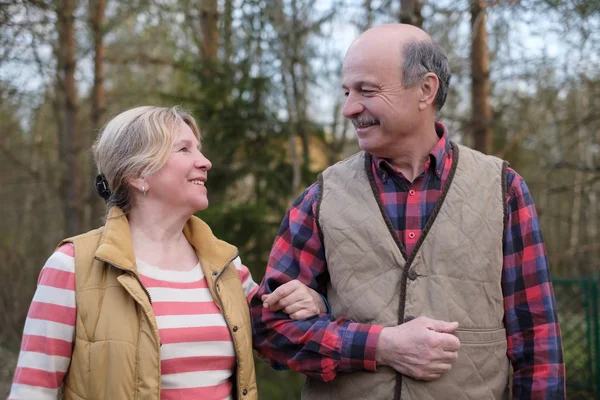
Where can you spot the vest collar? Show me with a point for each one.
(116, 247)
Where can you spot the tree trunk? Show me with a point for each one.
(94, 207)
(410, 13)
(227, 33)
(480, 75)
(289, 56)
(577, 198)
(209, 16)
(98, 94)
(300, 79)
(68, 138)
(368, 14)
(339, 127)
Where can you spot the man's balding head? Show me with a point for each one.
(408, 48)
(392, 35)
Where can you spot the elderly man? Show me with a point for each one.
(429, 253)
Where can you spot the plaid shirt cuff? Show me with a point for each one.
(359, 345)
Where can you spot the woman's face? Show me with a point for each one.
(179, 184)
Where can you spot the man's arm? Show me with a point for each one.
(322, 346)
(319, 346)
(533, 332)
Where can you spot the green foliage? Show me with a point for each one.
(277, 385)
(248, 184)
(248, 227)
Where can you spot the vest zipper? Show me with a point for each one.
(237, 358)
(137, 278)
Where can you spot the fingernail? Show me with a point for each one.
(265, 305)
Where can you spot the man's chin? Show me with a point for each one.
(369, 146)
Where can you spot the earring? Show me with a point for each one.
(144, 190)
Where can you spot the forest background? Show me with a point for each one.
(263, 79)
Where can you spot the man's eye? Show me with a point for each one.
(367, 91)
(346, 94)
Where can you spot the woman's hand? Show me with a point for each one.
(295, 299)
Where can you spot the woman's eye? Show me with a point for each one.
(183, 149)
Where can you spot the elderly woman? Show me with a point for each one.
(152, 305)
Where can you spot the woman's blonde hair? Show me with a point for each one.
(137, 142)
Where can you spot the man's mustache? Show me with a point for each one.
(364, 122)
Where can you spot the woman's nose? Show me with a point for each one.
(202, 162)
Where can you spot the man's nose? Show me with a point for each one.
(352, 106)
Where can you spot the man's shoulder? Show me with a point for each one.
(462, 150)
(345, 163)
(478, 159)
(309, 196)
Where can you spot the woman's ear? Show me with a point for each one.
(138, 182)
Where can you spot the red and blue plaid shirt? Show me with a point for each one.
(322, 346)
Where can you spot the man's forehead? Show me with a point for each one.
(358, 64)
(367, 71)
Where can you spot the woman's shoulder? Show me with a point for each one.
(60, 266)
(67, 249)
(94, 234)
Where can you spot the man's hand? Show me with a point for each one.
(295, 299)
(423, 348)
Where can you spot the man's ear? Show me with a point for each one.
(429, 88)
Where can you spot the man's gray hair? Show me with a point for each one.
(421, 57)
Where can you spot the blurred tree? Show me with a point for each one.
(94, 209)
(69, 136)
(410, 13)
(481, 110)
(293, 29)
(368, 6)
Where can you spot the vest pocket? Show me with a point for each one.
(480, 336)
(481, 370)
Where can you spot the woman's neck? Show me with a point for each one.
(158, 239)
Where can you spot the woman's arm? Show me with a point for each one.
(293, 297)
(48, 333)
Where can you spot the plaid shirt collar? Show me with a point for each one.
(437, 155)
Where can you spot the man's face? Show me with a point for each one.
(380, 108)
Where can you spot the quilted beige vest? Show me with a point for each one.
(116, 354)
(454, 274)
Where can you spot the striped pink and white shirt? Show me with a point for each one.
(197, 356)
